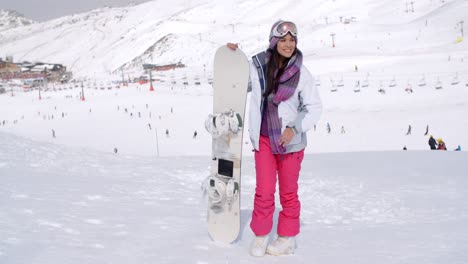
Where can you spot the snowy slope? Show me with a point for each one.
(62, 205)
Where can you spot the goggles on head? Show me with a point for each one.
(283, 28)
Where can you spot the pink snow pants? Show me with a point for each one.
(267, 166)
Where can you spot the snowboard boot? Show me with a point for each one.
(258, 246)
(282, 246)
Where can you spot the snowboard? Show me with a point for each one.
(226, 124)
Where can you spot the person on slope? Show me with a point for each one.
(441, 144)
(284, 105)
(432, 143)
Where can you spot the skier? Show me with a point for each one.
(328, 128)
(195, 134)
(427, 130)
(404, 148)
(458, 148)
(279, 146)
(409, 130)
(432, 143)
(343, 130)
(167, 132)
(441, 144)
(53, 133)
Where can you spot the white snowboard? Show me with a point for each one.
(231, 76)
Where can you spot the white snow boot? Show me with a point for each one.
(258, 246)
(282, 246)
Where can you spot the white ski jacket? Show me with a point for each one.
(300, 112)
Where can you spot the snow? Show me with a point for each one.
(64, 205)
(72, 199)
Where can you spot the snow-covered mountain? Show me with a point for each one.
(12, 19)
(99, 180)
(104, 40)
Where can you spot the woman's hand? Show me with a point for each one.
(232, 46)
(286, 137)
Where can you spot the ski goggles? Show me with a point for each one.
(283, 28)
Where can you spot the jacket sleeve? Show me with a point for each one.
(310, 105)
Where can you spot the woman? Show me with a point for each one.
(284, 105)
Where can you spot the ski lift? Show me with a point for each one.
(422, 82)
(340, 82)
(455, 79)
(438, 84)
(357, 87)
(365, 83)
(334, 88)
(392, 83)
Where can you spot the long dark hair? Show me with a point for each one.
(274, 64)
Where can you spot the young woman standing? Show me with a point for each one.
(284, 105)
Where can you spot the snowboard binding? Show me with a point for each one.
(221, 192)
(223, 123)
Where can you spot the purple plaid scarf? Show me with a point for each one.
(288, 82)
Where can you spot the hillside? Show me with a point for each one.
(11, 19)
(382, 36)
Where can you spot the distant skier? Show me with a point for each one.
(427, 130)
(404, 148)
(441, 144)
(149, 126)
(409, 130)
(458, 148)
(343, 130)
(116, 150)
(432, 143)
(328, 128)
(167, 132)
(195, 134)
(53, 133)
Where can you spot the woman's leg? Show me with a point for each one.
(264, 201)
(289, 167)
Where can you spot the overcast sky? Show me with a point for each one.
(42, 10)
